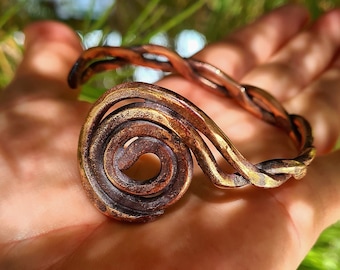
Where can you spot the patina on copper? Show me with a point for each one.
(158, 121)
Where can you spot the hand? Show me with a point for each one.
(48, 222)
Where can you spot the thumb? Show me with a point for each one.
(51, 48)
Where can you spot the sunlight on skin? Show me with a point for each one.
(324, 102)
(47, 220)
(54, 62)
(305, 63)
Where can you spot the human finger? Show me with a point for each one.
(301, 60)
(253, 44)
(319, 103)
(50, 51)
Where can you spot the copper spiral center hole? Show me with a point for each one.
(146, 167)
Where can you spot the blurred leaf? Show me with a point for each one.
(139, 24)
(90, 93)
(9, 13)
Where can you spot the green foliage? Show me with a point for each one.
(150, 16)
(138, 21)
(10, 53)
(326, 252)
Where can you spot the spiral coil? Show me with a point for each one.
(158, 121)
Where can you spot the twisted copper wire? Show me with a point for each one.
(166, 124)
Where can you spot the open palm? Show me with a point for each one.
(48, 222)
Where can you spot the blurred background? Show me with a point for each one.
(183, 25)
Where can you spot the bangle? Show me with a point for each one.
(152, 119)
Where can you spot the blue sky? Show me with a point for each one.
(77, 8)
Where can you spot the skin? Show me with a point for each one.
(48, 222)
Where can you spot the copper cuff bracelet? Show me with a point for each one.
(158, 121)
